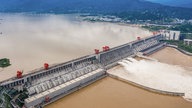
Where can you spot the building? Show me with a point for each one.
(171, 35)
(188, 41)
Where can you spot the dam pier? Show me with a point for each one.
(46, 85)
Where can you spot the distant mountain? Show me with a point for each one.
(75, 5)
(130, 9)
(177, 3)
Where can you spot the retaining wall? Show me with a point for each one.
(148, 88)
(179, 49)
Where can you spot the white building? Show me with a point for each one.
(188, 41)
(171, 35)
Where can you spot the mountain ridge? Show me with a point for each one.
(178, 3)
(111, 7)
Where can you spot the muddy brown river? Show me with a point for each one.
(173, 56)
(111, 93)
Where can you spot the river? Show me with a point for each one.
(30, 40)
(111, 93)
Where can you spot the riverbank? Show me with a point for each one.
(173, 56)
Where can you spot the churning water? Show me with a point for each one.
(158, 76)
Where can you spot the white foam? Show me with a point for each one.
(126, 61)
(122, 63)
(160, 76)
(131, 59)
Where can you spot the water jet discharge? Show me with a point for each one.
(157, 75)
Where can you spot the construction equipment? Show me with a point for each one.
(19, 74)
(46, 66)
(138, 38)
(106, 48)
(96, 51)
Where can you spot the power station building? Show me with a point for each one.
(188, 41)
(171, 35)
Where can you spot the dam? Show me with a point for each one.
(44, 86)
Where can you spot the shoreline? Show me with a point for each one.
(179, 49)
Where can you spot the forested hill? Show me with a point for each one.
(176, 3)
(139, 9)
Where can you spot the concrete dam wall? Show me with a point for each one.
(44, 86)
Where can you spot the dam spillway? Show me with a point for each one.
(44, 86)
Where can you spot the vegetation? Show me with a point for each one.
(7, 101)
(184, 28)
(155, 28)
(1, 101)
(23, 96)
(4, 62)
(186, 47)
(8, 96)
(20, 104)
(187, 36)
(12, 93)
(133, 10)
